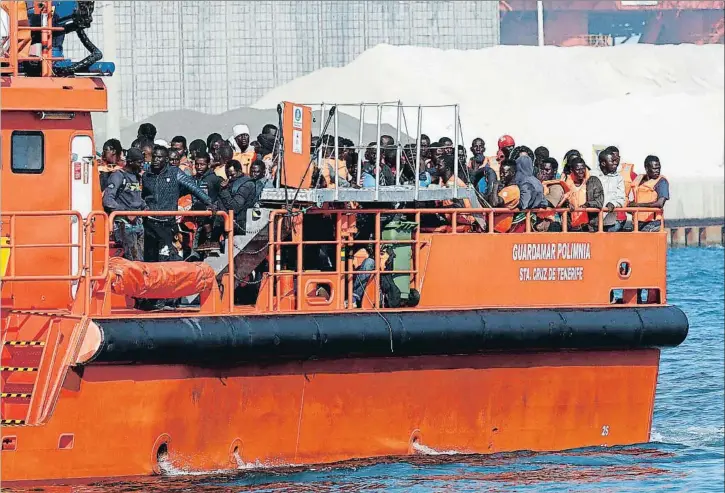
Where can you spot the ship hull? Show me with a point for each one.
(112, 420)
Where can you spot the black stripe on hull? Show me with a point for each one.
(235, 340)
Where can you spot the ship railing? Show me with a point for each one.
(9, 226)
(100, 227)
(408, 129)
(89, 247)
(11, 59)
(341, 278)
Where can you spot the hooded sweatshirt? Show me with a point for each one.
(531, 189)
(266, 143)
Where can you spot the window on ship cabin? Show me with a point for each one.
(28, 152)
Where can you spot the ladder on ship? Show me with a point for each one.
(33, 364)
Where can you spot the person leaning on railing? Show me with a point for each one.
(162, 186)
(555, 193)
(584, 192)
(613, 186)
(123, 193)
(239, 193)
(650, 190)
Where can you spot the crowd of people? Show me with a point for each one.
(230, 174)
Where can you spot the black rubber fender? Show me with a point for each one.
(234, 340)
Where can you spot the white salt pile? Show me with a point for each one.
(645, 99)
(662, 100)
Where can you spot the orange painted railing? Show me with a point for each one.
(10, 62)
(277, 274)
(10, 218)
(92, 256)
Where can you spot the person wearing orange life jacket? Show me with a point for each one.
(555, 193)
(505, 194)
(111, 160)
(329, 167)
(650, 190)
(175, 160)
(445, 171)
(269, 148)
(178, 143)
(584, 192)
(243, 152)
(565, 171)
(224, 155)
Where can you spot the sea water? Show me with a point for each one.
(685, 454)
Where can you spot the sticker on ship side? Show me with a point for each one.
(523, 252)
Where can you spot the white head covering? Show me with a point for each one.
(240, 129)
(161, 142)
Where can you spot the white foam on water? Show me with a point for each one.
(425, 450)
(169, 469)
(691, 436)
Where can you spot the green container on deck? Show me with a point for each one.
(396, 231)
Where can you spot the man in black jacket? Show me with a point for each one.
(209, 229)
(240, 192)
(162, 186)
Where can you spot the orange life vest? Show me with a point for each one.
(577, 197)
(185, 203)
(502, 221)
(246, 158)
(461, 218)
(644, 193)
(271, 166)
(552, 214)
(450, 184)
(626, 172)
(359, 257)
(328, 165)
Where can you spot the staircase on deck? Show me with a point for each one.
(250, 249)
(34, 363)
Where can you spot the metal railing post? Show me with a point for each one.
(455, 151)
(361, 152)
(13, 32)
(398, 149)
(417, 151)
(377, 157)
(337, 156)
(321, 142)
(229, 226)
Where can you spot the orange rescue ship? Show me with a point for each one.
(529, 341)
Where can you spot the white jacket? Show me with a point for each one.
(613, 193)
